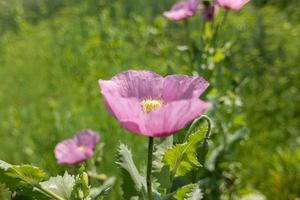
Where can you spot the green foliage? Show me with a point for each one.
(133, 183)
(60, 185)
(159, 152)
(182, 158)
(188, 192)
(27, 174)
(105, 187)
(20, 176)
(81, 189)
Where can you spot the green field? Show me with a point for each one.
(52, 54)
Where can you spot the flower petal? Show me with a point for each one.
(67, 152)
(173, 117)
(182, 10)
(168, 119)
(139, 84)
(178, 87)
(232, 4)
(87, 138)
(123, 109)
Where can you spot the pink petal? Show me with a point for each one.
(67, 152)
(173, 117)
(123, 109)
(232, 4)
(138, 84)
(178, 14)
(178, 87)
(182, 10)
(87, 138)
(168, 119)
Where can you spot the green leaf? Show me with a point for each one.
(26, 173)
(60, 185)
(96, 192)
(159, 152)
(182, 158)
(133, 183)
(4, 165)
(188, 192)
(16, 177)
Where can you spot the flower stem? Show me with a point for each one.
(149, 169)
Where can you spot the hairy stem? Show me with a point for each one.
(149, 169)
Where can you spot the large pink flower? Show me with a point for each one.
(182, 10)
(77, 149)
(232, 4)
(148, 104)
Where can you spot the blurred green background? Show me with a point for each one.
(52, 52)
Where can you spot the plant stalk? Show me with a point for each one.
(149, 169)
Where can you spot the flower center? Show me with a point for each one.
(81, 148)
(150, 105)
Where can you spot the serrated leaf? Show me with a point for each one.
(4, 165)
(20, 176)
(60, 185)
(159, 152)
(196, 194)
(96, 192)
(133, 183)
(188, 192)
(182, 158)
(26, 173)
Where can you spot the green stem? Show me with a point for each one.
(219, 26)
(49, 193)
(149, 169)
(195, 122)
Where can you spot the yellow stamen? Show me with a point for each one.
(150, 105)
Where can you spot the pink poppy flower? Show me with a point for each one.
(148, 104)
(77, 149)
(182, 10)
(209, 11)
(232, 4)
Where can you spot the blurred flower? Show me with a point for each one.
(148, 104)
(209, 11)
(232, 4)
(182, 10)
(77, 149)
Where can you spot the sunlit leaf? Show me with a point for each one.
(27, 173)
(188, 192)
(60, 185)
(182, 158)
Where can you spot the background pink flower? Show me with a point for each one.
(182, 10)
(232, 4)
(77, 149)
(148, 104)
